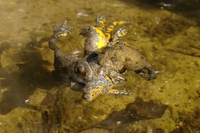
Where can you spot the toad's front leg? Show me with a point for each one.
(59, 30)
(60, 62)
(102, 85)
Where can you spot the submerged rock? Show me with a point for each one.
(139, 110)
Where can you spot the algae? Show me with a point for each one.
(30, 99)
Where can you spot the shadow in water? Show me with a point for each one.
(186, 8)
(181, 5)
(30, 74)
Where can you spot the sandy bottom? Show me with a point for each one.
(32, 102)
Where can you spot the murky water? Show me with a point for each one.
(31, 101)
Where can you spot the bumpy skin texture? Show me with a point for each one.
(121, 57)
(88, 77)
(113, 54)
(98, 37)
(100, 82)
(94, 39)
(100, 85)
(104, 60)
(61, 63)
(64, 64)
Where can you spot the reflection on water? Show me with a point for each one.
(166, 34)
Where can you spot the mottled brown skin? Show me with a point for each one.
(121, 57)
(100, 36)
(65, 65)
(86, 76)
(113, 54)
(100, 67)
(100, 83)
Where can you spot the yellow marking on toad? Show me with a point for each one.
(98, 90)
(126, 44)
(64, 34)
(113, 91)
(111, 27)
(108, 78)
(102, 39)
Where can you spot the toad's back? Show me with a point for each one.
(121, 56)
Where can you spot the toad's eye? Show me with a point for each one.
(79, 68)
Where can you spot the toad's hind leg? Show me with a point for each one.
(59, 30)
(59, 60)
(100, 21)
(120, 32)
(113, 76)
(117, 92)
(76, 86)
(110, 28)
(151, 74)
(147, 73)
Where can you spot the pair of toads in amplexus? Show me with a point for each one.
(106, 58)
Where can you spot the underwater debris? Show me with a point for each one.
(136, 111)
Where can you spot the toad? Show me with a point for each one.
(97, 37)
(100, 44)
(105, 58)
(88, 77)
(121, 56)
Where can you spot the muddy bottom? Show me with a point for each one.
(31, 101)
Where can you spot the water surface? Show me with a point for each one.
(30, 99)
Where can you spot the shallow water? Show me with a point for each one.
(30, 99)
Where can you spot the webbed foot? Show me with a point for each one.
(112, 75)
(59, 30)
(150, 74)
(100, 21)
(120, 32)
(76, 86)
(110, 28)
(118, 92)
